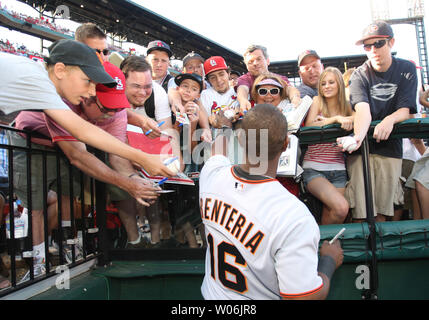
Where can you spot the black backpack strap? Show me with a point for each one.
(149, 106)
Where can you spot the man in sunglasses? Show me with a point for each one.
(90, 34)
(384, 88)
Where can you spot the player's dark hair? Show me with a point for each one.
(270, 118)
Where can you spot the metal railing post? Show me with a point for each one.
(370, 218)
(100, 195)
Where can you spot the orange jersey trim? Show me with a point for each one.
(304, 294)
(251, 181)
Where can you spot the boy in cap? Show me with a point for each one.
(192, 63)
(220, 94)
(220, 102)
(106, 110)
(384, 88)
(26, 85)
(189, 87)
(158, 55)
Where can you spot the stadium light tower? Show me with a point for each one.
(407, 12)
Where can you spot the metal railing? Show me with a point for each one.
(77, 241)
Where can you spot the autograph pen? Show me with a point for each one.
(158, 125)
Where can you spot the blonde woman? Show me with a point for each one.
(325, 174)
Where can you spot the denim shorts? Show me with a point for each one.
(337, 177)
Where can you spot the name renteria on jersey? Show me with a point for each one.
(233, 221)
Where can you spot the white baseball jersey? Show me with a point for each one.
(262, 242)
(213, 102)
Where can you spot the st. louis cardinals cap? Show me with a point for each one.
(214, 64)
(113, 98)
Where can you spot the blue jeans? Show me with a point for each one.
(337, 177)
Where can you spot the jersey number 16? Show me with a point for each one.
(224, 249)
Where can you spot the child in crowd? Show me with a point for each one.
(189, 88)
(325, 174)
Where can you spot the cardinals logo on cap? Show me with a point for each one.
(119, 85)
(213, 62)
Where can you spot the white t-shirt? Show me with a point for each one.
(162, 106)
(214, 101)
(262, 241)
(25, 85)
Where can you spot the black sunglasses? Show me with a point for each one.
(104, 51)
(378, 44)
(264, 92)
(101, 108)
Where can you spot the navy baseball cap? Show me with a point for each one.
(159, 45)
(75, 53)
(378, 29)
(193, 76)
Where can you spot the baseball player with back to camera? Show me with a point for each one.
(262, 241)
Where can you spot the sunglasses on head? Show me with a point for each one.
(104, 51)
(378, 44)
(272, 91)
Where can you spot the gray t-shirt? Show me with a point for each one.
(25, 85)
(305, 90)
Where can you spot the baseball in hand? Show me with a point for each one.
(229, 114)
(349, 143)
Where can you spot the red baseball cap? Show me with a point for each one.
(113, 98)
(214, 64)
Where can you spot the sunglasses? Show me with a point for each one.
(104, 51)
(264, 92)
(104, 110)
(378, 44)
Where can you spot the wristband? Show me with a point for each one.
(327, 266)
(133, 174)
